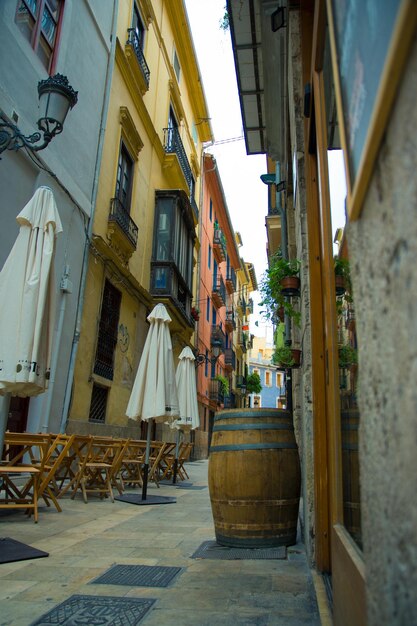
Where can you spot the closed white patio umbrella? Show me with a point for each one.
(187, 396)
(154, 394)
(27, 302)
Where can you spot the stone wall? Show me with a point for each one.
(297, 229)
(383, 252)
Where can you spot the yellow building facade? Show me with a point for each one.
(143, 245)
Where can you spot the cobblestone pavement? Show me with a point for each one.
(86, 539)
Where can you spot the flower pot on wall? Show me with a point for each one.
(290, 286)
(340, 284)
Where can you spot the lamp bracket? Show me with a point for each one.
(12, 139)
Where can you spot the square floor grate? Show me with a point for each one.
(88, 609)
(138, 576)
(212, 550)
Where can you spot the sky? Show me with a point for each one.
(246, 195)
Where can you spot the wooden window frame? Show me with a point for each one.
(35, 38)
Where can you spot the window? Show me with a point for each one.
(208, 309)
(98, 404)
(138, 26)
(209, 257)
(177, 67)
(280, 380)
(206, 365)
(39, 21)
(268, 379)
(107, 333)
(124, 178)
(211, 210)
(173, 243)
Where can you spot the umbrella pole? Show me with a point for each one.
(146, 465)
(4, 416)
(177, 448)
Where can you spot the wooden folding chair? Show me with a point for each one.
(157, 452)
(96, 467)
(56, 455)
(66, 474)
(183, 456)
(20, 477)
(133, 459)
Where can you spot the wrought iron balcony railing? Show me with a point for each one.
(230, 323)
(231, 279)
(219, 245)
(219, 291)
(133, 40)
(230, 358)
(119, 215)
(173, 145)
(216, 391)
(217, 337)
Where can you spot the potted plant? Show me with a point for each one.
(224, 384)
(287, 357)
(348, 356)
(195, 313)
(342, 276)
(278, 283)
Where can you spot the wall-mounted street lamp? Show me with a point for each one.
(56, 98)
(216, 351)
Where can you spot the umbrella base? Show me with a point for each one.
(137, 499)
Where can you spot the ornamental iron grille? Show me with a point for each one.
(107, 334)
(98, 404)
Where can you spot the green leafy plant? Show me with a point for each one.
(224, 384)
(347, 356)
(225, 21)
(253, 383)
(284, 356)
(270, 288)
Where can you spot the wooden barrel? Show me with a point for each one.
(350, 473)
(254, 478)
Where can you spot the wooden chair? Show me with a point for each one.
(96, 468)
(66, 474)
(131, 465)
(156, 464)
(21, 469)
(183, 457)
(56, 455)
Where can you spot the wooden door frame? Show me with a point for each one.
(335, 550)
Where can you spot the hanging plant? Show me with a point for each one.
(287, 357)
(224, 384)
(348, 356)
(274, 294)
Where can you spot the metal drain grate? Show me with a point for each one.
(138, 576)
(86, 609)
(212, 550)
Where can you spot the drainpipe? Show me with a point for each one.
(66, 288)
(76, 339)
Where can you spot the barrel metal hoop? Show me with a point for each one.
(219, 427)
(252, 446)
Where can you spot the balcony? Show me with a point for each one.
(122, 232)
(167, 282)
(229, 359)
(219, 246)
(242, 340)
(218, 294)
(216, 393)
(173, 145)
(241, 383)
(136, 60)
(231, 280)
(230, 323)
(217, 337)
(230, 401)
